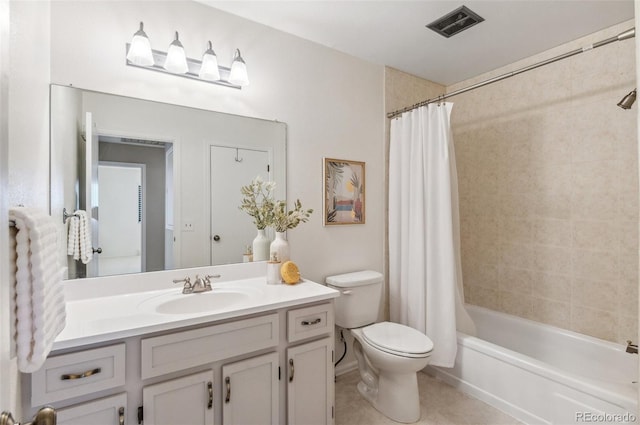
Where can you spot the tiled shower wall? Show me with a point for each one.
(548, 181)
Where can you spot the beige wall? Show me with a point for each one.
(548, 176)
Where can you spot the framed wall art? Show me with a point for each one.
(344, 186)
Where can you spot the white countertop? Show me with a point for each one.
(109, 317)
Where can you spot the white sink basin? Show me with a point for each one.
(204, 302)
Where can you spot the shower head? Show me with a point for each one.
(628, 100)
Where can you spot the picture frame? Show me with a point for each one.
(344, 192)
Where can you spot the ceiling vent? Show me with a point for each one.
(454, 22)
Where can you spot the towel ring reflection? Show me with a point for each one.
(66, 215)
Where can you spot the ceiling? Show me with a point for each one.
(393, 32)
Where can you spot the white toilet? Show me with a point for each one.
(389, 354)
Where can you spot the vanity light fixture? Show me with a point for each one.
(140, 51)
(139, 54)
(239, 71)
(209, 70)
(176, 61)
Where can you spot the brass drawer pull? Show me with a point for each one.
(121, 416)
(308, 323)
(71, 376)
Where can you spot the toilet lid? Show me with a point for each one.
(397, 338)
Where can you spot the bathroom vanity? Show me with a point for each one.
(137, 350)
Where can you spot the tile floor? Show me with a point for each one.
(439, 404)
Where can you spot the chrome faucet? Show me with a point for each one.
(201, 285)
(632, 348)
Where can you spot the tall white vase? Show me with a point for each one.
(280, 246)
(261, 246)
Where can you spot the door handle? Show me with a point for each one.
(216, 238)
(44, 416)
(291, 370)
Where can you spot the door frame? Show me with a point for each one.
(9, 396)
(175, 144)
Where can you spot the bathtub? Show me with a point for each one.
(541, 374)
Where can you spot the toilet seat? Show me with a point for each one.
(397, 339)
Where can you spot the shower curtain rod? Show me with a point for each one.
(620, 37)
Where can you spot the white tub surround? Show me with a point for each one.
(541, 374)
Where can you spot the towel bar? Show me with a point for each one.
(66, 215)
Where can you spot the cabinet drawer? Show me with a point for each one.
(309, 322)
(84, 372)
(182, 350)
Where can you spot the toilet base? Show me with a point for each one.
(396, 397)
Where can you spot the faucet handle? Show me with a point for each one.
(187, 284)
(212, 276)
(186, 280)
(207, 280)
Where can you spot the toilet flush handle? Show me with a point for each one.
(346, 292)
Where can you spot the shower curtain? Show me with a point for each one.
(425, 274)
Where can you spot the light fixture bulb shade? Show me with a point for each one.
(140, 49)
(176, 58)
(209, 69)
(238, 74)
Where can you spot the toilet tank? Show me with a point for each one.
(359, 298)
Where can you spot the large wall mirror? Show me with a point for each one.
(160, 182)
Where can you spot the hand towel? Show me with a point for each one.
(79, 237)
(73, 246)
(40, 306)
(84, 235)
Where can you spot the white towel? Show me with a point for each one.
(73, 246)
(40, 306)
(79, 237)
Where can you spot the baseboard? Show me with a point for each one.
(346, 367)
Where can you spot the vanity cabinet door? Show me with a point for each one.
(105, 411)
(250, 391)
(310, 385)
(184, 401)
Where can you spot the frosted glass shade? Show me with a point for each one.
(176, 59)
(140, 49)
(238, 74)
(209, 70)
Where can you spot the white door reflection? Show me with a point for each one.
(121, 224)
(232, 230)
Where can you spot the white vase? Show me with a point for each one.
(261, 246)
(280, 246)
